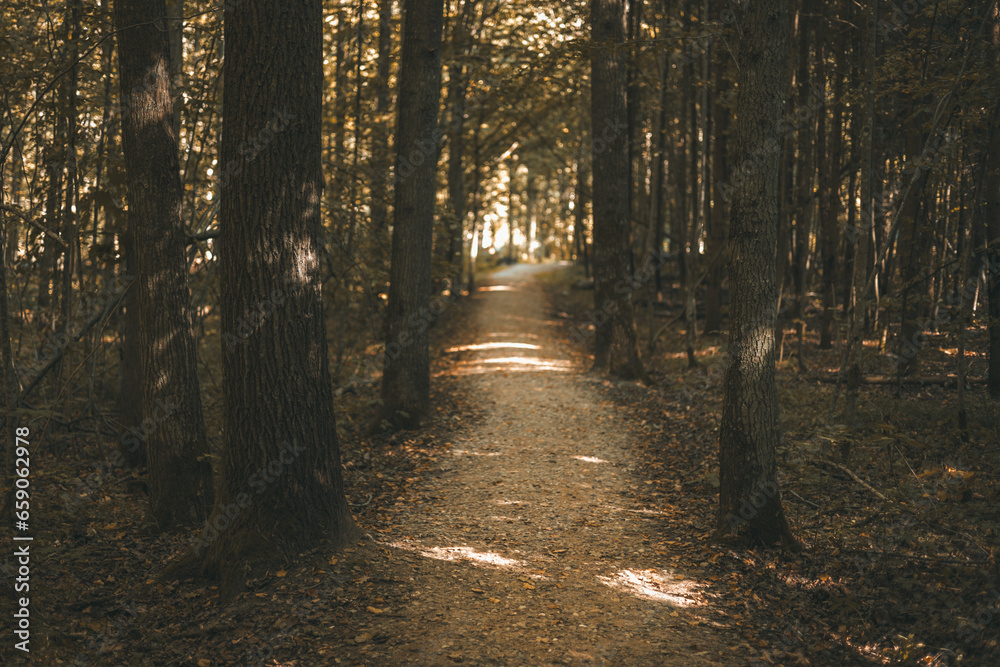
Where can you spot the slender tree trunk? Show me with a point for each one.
(692, 243)
(180, 475)
(477, 186)
(964, 254)
(991, 257)
(992, 220)
(380, 129)
(511, 211)
(865, 118)
(749, 498)
(580, 209)
(636, 121)
(8, 378)
(406, 379)
(658, 178)
(457, 89)
(831, 151)
(617, 351)
(280, 488)
(803, 208)
(69, 231)
(717, 231)
(912, 251)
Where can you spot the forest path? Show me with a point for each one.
(531, 554)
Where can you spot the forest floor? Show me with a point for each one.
(548, 516)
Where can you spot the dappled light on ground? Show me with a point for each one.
(466, 452)
(509, 365)
(590, 459)
(461, 553)
(497, 288)
(493, 346)
(657, 586)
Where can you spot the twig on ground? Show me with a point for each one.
(844, 469)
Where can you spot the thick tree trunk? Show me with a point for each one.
(280, 488)
(406, 379)
(750, 430)
(180, 475)
(617, 351)
(131, 442)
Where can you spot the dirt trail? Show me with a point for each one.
(529, 552)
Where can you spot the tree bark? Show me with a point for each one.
(173, 430)
(580, 177)
(457, 89)
(992, 220)
(749, 498)
(280, 488)
(380, 129)
(406, 379)
(131, 446)
(617, 350)
(717, 230)
(831, 151)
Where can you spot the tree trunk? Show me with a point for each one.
(131, 442)
(280, 488)
(692, 242)
(69, 231)
(457, 88)
(477, 177)
(8, 379)
(859, 237)
(406, 379)
(580, 210)
(380, 129)
(617, 351)
(992, 257)
(912, 249)
(180, 475)
(831, 150)
(749, 498)
(992, 220)
(803, 208)
(175, 37)
(717, 230)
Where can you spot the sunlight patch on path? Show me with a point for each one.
(510, 365)
(462, 553)
(656, 586)
(591, 459)
(497, 288)
(493, 346)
